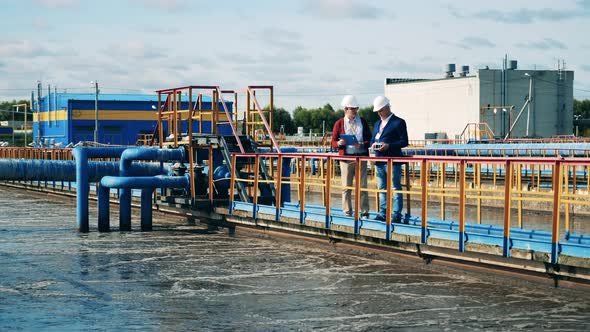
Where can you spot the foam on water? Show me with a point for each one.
(181, 278)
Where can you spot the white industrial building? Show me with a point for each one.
(443, 108)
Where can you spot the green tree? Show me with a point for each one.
(281, 117)
(7, 107)
(582, 111)
(368, 114)
(302, 117)
(582, 108)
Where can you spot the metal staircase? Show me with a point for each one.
(187, 105)
(228, 145)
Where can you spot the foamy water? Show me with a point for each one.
(183, 278)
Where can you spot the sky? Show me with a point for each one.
(312, 52)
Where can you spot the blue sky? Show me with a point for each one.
(312, 52)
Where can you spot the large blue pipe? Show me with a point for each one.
(65, 170)
(141, 182)
(82, 154)
(127, 157)
(147, 184)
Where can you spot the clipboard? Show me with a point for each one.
(350, 139)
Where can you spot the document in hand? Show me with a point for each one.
(350, 139)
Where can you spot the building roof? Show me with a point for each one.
(117, 97)
(391, 81)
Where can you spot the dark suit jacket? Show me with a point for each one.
(395, 134)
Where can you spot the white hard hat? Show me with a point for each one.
(379, 103)
(349, 101)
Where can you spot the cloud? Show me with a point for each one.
(167, 5)
(57, 4)
(342, 9)
(135, 49)
(585, 67)
(471, 42)
(527, 16)
(23, 49)
(280, 38)
(401, 68)
(160, 30)
(545, 44)
(41, 24)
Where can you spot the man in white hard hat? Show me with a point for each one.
(351, 136)
(390, 135)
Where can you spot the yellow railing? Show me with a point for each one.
(543, 194)
(36, 153)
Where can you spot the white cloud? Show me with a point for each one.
(41, 24)
(475, 42)
(167, 5)
(135, 49)
(544, 44)
(55, 4)
(342, 9)
(22, 49)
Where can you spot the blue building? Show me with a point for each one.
(64, 118)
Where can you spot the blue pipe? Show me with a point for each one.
(132, 154)
(65, 170)
(103, 208)
(127, 157)
(146, 209)
(82, 154)
(141, 182)
(147, 184)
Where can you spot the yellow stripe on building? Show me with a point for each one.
(62, 115)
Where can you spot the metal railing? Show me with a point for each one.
(36, 153)
(506, 193)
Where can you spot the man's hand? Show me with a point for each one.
(384, 147)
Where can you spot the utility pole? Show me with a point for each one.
(13, 142)
(95, 110)
(17, 106)
(39, 88)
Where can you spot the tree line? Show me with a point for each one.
(314, 119)
(7, 108)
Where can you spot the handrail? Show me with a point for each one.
(259, 110)
(469, 183)
(233, 128)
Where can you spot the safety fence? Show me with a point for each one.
(503, 150)
(36, 153)
(514, 203)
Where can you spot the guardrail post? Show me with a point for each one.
(424, 184)
(507, 208)
(255, 194)
(328, 191)
(232, 184)
(278, 186)
(462, 206)
(556, 185)
(389, 196)
(302, 191)
(357, 195)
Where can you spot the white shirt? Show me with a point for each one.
(354, 127)
(382, 126)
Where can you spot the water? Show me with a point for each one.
(180, 277)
